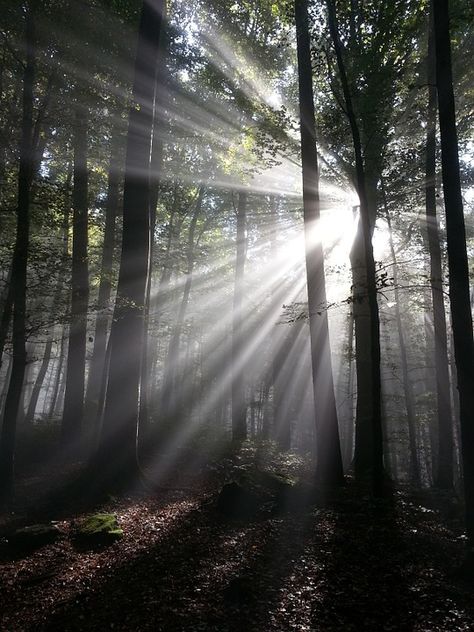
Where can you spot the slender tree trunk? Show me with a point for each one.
(370, 460)
(407, 385)
(457, 254)
(71, 428)
(239, 406)
(170, 398)
(329, 460)
(269, 419)
(6, 315)
(105, 287)
(120, 423)
(19, 268)
(30, 413)
(156, 164)
(444, 470)
(348, 394)
(57, 379)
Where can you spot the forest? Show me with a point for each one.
(236, 315)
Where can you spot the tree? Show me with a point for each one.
(119, 429)
(239, 407)
(459, 289)
(19, 265)
(369, 444)
(329, 461)
(443, 476)
(71, 428)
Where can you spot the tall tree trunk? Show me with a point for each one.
(239, 407)
(120, 424)
(161, 296)
(170, 398)
(407, 385)
(444, 470)
(30, 414)
(348, 443)
(71, 428)
(105, 287)
(368, 458)
(329, 460)
(270, 410)
(156, 164)
(19, 268)
(457, 254)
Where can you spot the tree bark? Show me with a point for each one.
(71, 428)
(170, 398)
(444, 462)
(415, 476)
(457, 254)
(105, 287)
(120, 424)
(19, 267)
(368, 459)
(239, 406)
(329, 460)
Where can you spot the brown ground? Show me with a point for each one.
(353, 564)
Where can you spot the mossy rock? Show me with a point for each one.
(99, 528)
(34, 536)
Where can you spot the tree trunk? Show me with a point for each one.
(19, 268)
(457, 254)
(239, 407)
(71, 428)
(444, 462)
(120, 424)
(368, 459)
(30, 413)
(105, 287)
(6, 315)
(329, 460)
(415, 477)
(170, 398)
(156, 163)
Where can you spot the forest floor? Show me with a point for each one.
(348, 563)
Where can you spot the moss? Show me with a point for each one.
(100, 526)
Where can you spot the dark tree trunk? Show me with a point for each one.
(120, 423)
(457, 254)
(105, 287)
(444, 460)
(71, 428)
(170, 397)
(19, 268)
(7, 309)
(156, 163)
(370, 460)
(329, 460)
(239, 406)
